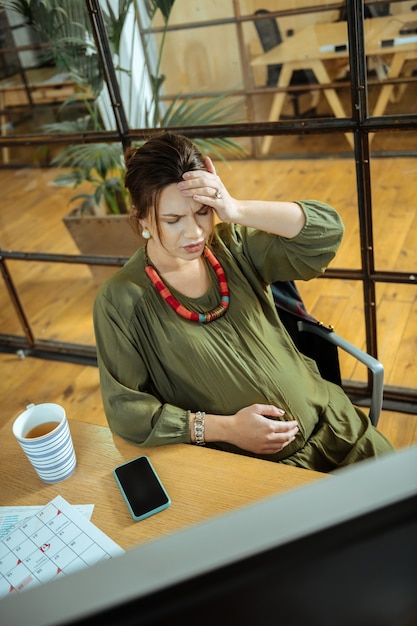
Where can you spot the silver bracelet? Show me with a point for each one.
(199, 419)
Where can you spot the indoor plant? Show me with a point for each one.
(96, 170)
(100, 164)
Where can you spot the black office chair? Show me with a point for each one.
(270, 36)
(321, 343)
(381, 9)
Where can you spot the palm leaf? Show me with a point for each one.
(115, 22)
(101, 157)
(192, 112)
(218, 145)
(165, 6)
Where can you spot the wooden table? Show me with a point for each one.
(313, 45)
(46, 85)
(402, 48)
(202, 483)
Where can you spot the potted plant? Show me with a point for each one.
(96, 170)
(99, 221)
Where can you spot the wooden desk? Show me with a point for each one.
(46, 85)
(311, 46)
(387, 29)
(201, 482)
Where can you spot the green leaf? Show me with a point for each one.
(115, 22)
(165, 6)
(102, 157)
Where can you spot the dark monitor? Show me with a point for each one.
(339, 552)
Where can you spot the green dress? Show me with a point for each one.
(156, 367)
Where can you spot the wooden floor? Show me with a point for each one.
(58, 298)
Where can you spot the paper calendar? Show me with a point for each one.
(57, 541)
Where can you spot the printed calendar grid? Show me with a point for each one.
(57, 541)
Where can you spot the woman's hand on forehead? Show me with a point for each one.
(205, 187)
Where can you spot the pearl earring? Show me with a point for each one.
(146, 234)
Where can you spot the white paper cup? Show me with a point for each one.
(52, 454)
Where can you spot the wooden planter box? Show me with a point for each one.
(108, 235)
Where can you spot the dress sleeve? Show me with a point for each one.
(316, 245)
(303, 257)
(131, 412)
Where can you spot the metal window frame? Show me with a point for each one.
(360, 124)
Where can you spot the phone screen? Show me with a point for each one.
(141, 488)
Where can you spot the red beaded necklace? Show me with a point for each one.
(202, 318)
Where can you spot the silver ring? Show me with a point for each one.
(218, 195)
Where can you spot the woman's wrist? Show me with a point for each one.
(207, 427)
(199, 428)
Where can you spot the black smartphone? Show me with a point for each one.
(141, 488)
